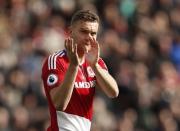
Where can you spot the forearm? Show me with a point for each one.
(61, 95)
(106, 82)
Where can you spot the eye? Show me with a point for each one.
(93, 33)
(83, 31)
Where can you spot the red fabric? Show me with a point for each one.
(81, 102)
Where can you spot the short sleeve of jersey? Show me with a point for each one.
(102, 64)
(52, 72)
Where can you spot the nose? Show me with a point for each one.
(88, 36)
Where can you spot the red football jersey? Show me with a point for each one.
(78, 114)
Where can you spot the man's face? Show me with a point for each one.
(82, 32)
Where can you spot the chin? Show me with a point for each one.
(87, 50)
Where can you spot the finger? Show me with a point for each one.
(97, 44)
(91, 40)
(72, 45)
(65, 44)
(94, 40)
(68, 44)
(75, 48)
(94, 43)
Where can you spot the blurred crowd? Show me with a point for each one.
(140, 43)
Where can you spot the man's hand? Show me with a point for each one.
(93, 55)
(104, 80)
(71, 48)
(61, 95)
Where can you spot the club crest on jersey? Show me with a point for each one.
(90, 72)
(52, 79)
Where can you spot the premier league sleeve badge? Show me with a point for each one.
(52, 79)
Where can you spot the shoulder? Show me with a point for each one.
(53, 65)
(52, 60)
(102, 63)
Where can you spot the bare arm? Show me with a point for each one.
(105, 81)
(61, 95)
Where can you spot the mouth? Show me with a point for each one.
(87, 47)
(87, 43)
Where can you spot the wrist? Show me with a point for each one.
(73, 66)
(95, 66)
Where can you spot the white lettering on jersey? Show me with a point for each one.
(82, 84)
(52, 59)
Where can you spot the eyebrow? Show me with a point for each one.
(85, 29)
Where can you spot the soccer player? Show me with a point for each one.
(70, 76)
